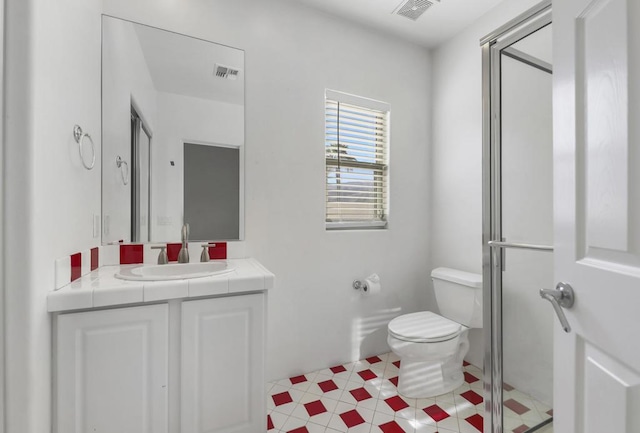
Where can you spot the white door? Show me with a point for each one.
(111, 371)
(222, 367)
(597, 213)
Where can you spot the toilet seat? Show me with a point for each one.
(424, 327)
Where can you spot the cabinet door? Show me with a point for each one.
(222, 368)
(111, 371)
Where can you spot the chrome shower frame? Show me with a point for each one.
(492, 45)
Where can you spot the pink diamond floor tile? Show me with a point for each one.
(363, 397)
(516, 406)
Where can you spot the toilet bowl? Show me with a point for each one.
(432, 347)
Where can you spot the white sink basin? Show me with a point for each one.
(177, 271)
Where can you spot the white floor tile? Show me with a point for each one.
(450, 423)
(360, 428)
(293, 423)
(407, 425)
(278, 420)
(315, 428)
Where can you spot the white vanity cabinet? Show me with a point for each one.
(222, 365)
(185, 366)
(111, 371)
(174, 356)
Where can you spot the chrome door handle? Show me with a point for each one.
(561, 297)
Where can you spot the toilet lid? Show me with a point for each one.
(423, 326)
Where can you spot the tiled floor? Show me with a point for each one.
(362, 397)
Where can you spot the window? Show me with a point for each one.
(356, 159)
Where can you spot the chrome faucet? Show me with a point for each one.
(183, 255)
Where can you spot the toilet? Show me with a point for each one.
(432, 347)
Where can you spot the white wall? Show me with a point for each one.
(456, 163)
(126, 80)
(292, 55)
(184, 118)
(53, 83)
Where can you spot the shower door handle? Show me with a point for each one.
(561, 297)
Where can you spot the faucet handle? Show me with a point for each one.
(204, 257)
(163, 259)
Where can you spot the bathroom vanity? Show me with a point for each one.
(161, 356)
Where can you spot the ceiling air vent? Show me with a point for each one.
(413, 9)
(222, 71)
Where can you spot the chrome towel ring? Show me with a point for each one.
(120, 162)
(79, 137)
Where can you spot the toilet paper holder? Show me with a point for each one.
(358, 284)
(369, 285)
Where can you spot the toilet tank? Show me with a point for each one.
(459, 295)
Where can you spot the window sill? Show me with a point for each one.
(373, 225)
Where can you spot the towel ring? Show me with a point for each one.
(120, 162)
(80, 136)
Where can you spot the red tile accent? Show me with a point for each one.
(470, 378)
(76, 266)
(521, 429)
(269, 423)
(394, 380)
(94, 258)
(396, 363)
(507, 387)
(373, 360)
(360, 394)
(476, 421)
(472, 396)
(391, 427)
(436, 413)
(315, 408)
(219, 251)
(550, 412)
(396, 403)
(352, 418)
(173, 250)
(131, 254)
(338, 369)
(516, 406)
(302, 429)
(282, 398)
(328, 385)
(298, 379)
(367, 374)
(465, 363)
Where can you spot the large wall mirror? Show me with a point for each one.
(172, 136)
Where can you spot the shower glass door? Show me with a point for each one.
(526, 175)
(518, 225)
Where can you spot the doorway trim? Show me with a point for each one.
(492, 260)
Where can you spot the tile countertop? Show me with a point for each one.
(101, 288)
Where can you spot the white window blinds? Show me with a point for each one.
(356, 155)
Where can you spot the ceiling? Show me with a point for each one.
(440, 22)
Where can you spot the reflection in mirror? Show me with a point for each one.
(211, 177)
(140, 161)
(172, 134)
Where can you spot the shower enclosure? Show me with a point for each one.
(518, 224)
